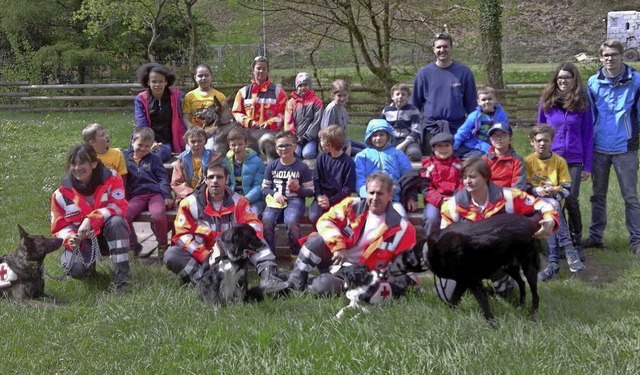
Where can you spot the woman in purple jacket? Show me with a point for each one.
(564, 105)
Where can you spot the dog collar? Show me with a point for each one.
(6, 276)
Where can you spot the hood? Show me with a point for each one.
(376, 125)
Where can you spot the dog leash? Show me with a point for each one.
(95, 255)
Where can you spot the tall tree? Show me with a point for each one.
(490, 26)
(134, 14)
(192, 25)
(370, 28)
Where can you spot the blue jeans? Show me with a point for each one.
(307, 149)
(315, 211)
(572, 204)
(292, 214)
(430, 219)
(626, 167)
(561, 237)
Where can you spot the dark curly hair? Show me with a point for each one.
(143, 74)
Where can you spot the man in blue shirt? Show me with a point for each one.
(614, 92)
(445, 91)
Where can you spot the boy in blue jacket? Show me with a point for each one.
(380, 156)
(472, 138)
(147, 188)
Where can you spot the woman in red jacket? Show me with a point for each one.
(90, 202)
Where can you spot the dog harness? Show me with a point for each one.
(6, 276)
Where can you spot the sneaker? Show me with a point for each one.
(591, 243)
(550, 272)
(581, 253)
(635, 249)
(575, 264)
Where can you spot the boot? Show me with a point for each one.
(298, 279)
(270, 283)
(161, 250)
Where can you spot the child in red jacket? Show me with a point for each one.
(441, 177)
(302, 116)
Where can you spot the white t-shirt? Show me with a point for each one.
(369, 232)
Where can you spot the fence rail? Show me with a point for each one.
(519, 100)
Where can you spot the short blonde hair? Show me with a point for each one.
(90, 131)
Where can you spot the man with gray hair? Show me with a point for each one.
(356, 230)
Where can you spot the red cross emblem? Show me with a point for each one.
(385, 292)
(3, 273)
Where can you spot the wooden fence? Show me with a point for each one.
(519, 101)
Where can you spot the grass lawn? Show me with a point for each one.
(588, 322)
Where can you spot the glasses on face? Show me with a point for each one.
(497, 137)
(611, 55)
(284, 146)
(564, 79)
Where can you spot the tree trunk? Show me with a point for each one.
(193, 34)
(490, 25)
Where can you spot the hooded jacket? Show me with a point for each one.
(615, 111)
(252, 175)
(388, 160)
(467, 134)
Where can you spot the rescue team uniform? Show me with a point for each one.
(105, 208)
(374, 240)
(262, 103)
(197, 226)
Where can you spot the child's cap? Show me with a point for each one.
(442, 137)
(501, 126)
(303, 77)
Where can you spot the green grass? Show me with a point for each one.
(587, 322)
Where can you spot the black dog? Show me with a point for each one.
(21, 270)
(225, 280)
(469, 252)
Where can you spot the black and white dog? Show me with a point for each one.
(225, 279)
(375, 287)
(363, 286)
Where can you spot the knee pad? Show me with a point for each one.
(326, 284)
(444, 288)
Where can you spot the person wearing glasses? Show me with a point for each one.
(260, 104)
(445, 91)
(287, 182)
(565, 106)
(614, 92)
(202, 217)
(507, 166)
(472, 138)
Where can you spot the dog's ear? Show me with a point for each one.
(23, 233)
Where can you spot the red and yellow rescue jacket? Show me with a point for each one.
(342, 226)
(500, 200)
(198, 224)
(261, 103)
(69, 208)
